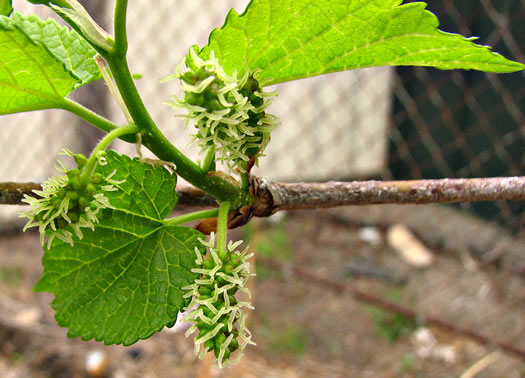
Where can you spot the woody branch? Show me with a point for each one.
(271, 197)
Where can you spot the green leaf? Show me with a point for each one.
(30, 77)
(293, 39)
(40, 63)
(63, 43)
(122, 282)
(6, 7)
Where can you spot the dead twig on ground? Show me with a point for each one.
(362, 296)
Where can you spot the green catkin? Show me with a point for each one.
(229, 113)
(68, 203)
(214, 311)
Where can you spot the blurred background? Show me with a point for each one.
(379, 123)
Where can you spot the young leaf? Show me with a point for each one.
(6, 7)
(293, 39)
(40, 63)
(76, 15)
(122, 282)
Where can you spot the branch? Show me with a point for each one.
(12, 193)
(389, 306)
(271, 197)
(275, 196)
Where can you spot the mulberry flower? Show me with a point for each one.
(229, 113)
(67, 203)
(217, 315)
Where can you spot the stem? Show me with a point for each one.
(245, 181)
(153, 137)
(103, 144)
(222, 227)
(62, 3)
(112, 87)
(90, 116)
(191, 217)
(139, 113)
(208, 159)
(119, 27)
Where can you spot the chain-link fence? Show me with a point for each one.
(383, 123)
(465, 124)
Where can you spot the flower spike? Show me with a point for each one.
(216, 313)
(68, 203)
(228, 112)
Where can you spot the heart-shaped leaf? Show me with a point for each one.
(122, 282)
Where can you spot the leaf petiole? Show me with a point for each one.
(208, 160)
(222, 227)
(198, 215)
(103, 144)
(87, 115)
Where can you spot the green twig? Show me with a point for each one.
(245, 181)
(191, 217)
(87, 115)
(209, 158)
(222, 227)
(112, 87)
(104, 143)
(119, 27)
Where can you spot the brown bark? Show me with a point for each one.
(11, 193)
(271, 197)
(275, 196)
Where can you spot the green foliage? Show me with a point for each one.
(294, 39)
(63, 43)
(6, 7)
(41, 63)
(122, 282)
(45, 2)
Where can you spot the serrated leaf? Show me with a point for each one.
(293, 39)
(122, 282)
(65, 45)
(6, 7)
(30, 77)
(37, 67)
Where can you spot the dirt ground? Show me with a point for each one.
(301, 329)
